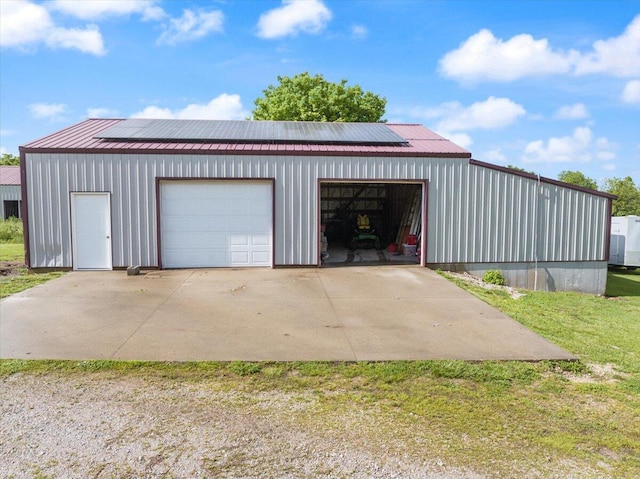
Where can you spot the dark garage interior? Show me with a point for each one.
(370, 223)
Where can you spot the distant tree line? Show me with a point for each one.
(10, 160)
(628, 194)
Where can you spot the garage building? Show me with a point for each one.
(10, 195)
(112, 193)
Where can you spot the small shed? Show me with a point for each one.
(10, 194)
(113, 193)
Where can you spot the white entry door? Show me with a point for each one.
(91, 230)
(215, 223)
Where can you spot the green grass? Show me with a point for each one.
(623, 282)
(503, 419)
(21, 278)
(24, 280)
(11, 230)
(11, 252)
(598, 329)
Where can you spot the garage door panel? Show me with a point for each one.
(260, 256)
(260, 240)
(216, 223)
(180, 225)
(240, 258)
(260, 222)
(239, 240)
(246, 224)
(240, 207)
(260, 208)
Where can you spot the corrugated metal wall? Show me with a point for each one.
(475, 214)
(8, 193)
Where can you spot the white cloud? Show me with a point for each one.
(24, 24)
(87, 41)
(223, 107)
(95, 10)
(459, 138)
(491, 114)
(577, 111)
(494, 156)
(631, 92)
(617, 56)
(609, 167)
(484, 57)
(155, 112)
(52, 111)
(453, 120)
(293, 17)
(579, 147)
(191, 26)
(359, 32)
(101, 113)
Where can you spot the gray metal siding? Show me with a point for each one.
(584, 276)
(475, 214)
(8, 193)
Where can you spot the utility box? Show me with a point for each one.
(625, 241)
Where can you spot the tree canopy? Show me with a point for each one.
(517, 168)
(312, 98)
(628, 201)
(8, 159)
(578, 178)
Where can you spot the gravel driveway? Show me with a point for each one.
(104, 425)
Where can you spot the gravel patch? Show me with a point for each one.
(469, 278)
(101, 426)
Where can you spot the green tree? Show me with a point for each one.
(8, 159)
(628, 201)
(578, 178)
(517, 168)
(312, 98)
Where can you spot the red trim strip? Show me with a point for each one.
(24, 206)
(247, 152)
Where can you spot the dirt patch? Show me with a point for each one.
(514, 293)
(598, 373)
(10, 268)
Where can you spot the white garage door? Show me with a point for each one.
(215, 223)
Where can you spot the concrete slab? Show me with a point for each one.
(343, 314)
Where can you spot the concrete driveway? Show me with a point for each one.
(347, 314)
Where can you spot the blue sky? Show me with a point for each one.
(544, 85)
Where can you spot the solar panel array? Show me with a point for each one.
(232, 131)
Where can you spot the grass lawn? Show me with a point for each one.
(502, 419)
(11, 252)
(17, 277)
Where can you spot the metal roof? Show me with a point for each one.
(84, 137)
(232, 131)
(9, 175)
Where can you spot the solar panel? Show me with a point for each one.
(235, 131)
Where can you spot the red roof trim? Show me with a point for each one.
(9, 175)
(230, 150)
